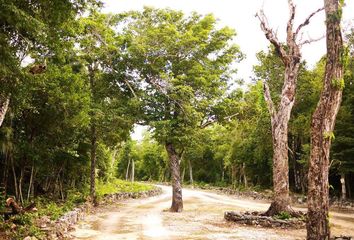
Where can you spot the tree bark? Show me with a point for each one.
(177, 201)
(322, 125)
(4, 105)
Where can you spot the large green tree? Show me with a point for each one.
(184, 64)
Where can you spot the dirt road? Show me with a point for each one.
(202, 218)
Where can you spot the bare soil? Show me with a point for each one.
(202, 218)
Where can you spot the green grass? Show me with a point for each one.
(117, 185)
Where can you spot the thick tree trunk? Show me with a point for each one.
(4, 105)
(190, 171)
(93, 164)
(322, 125)
(177, 201)
(280, 121)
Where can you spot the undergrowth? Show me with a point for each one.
(22, 225)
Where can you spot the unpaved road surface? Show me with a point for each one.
(202, 218)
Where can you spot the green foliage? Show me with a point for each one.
(338, 83)
(283, 216)
(172, 54)
(118, 185)
(329, 135)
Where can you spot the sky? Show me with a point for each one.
(240, 15)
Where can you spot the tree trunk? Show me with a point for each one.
(20, 187)
(127, 172)
(244, 175)
(183, 173)
(190, 171)
(344, 191)
(30, 183)
(93, 164)
(133, 171)
(93, 136)
(233, 175)
(177, 201)
(4, 105)
(280, 115)
(14, 176)
(322, 125)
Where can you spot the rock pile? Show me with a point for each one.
(256, 219)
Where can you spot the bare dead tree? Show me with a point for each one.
(322, 125)
(290, 55)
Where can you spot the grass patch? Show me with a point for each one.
(117, 186)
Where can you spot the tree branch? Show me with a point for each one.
(310, 40)
(307, 21)
(215, 120)
(271, 36)
(289, 27)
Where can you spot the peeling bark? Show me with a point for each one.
(177, 202)
(322, 125)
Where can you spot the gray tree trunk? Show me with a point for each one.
(322, 125)
(177, 201)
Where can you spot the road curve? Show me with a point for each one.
(202, 218)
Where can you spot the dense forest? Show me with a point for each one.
(76, 82)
